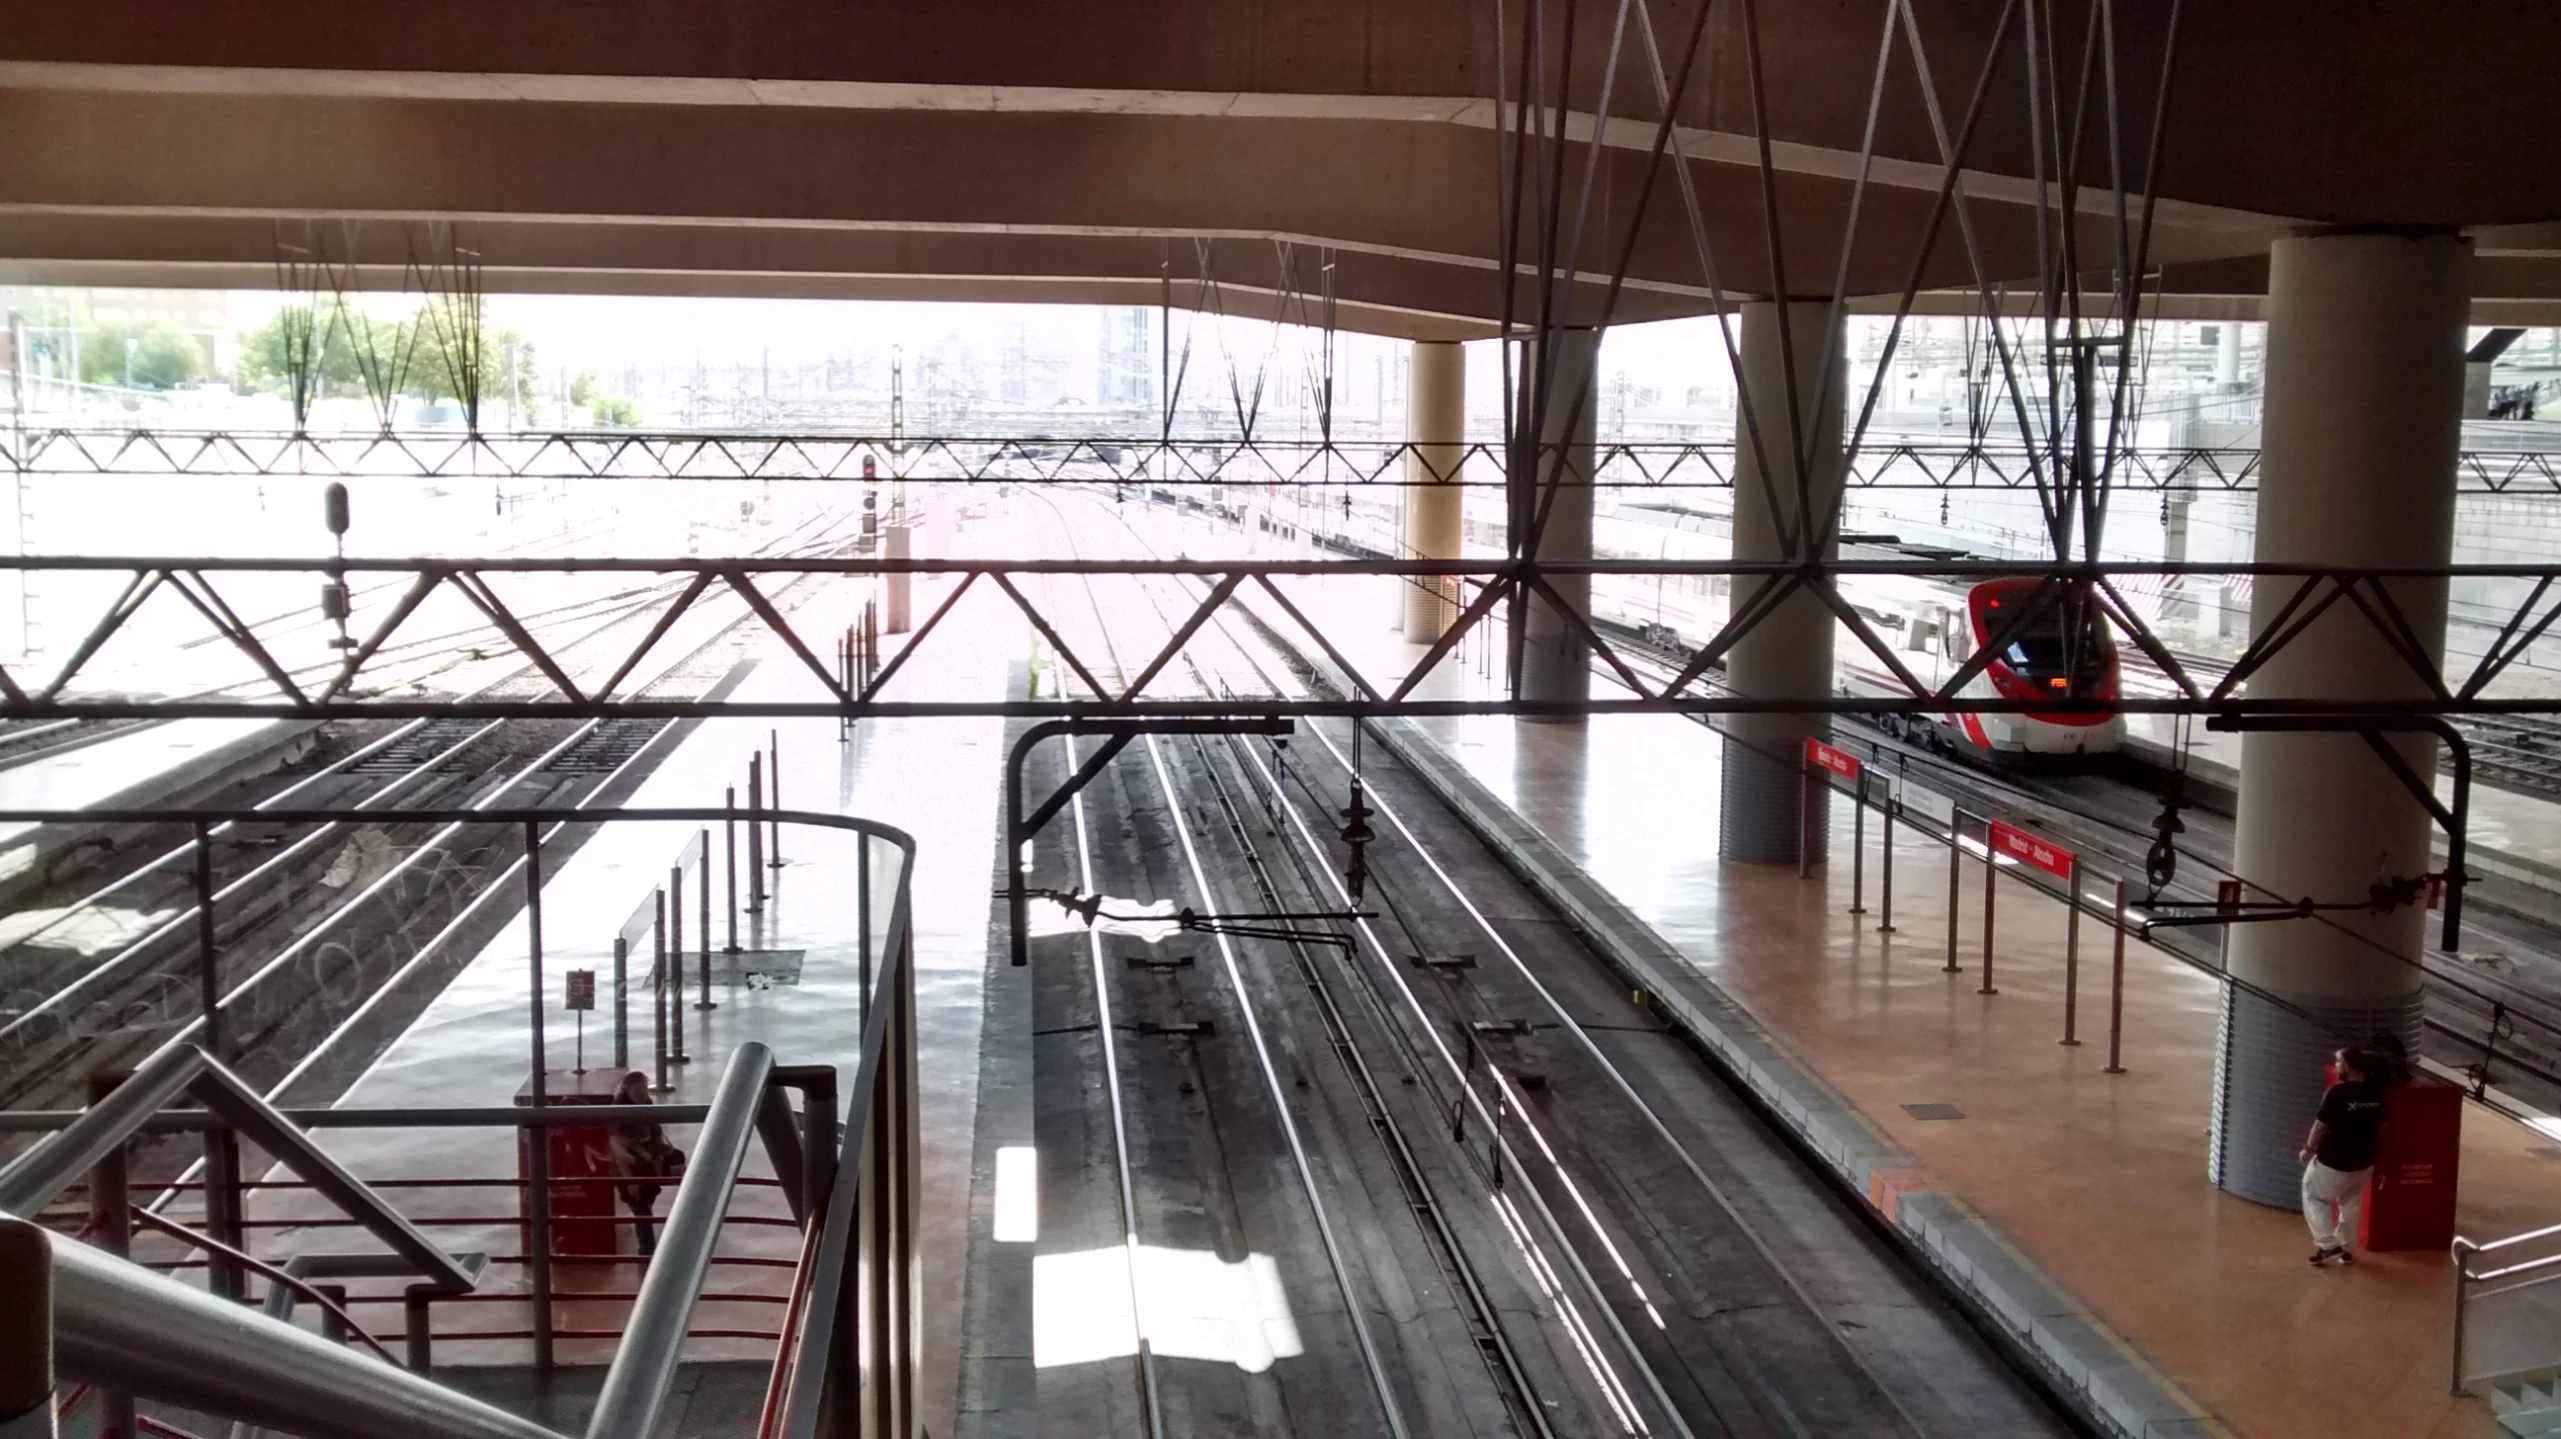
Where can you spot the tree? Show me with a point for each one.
(265, 353)
(162, 355)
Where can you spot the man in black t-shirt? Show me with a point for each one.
(2339, 1155)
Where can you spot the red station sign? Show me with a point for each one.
(1823, 756)
(2026, 848)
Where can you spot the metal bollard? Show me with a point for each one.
(2072, 961)
(729, 855)
(26, 1331)
(676, 930)
(1858, 845)
(774, 779)
(1955, 884)
(703, 882)
(2116, 991)
(1885, 866)
(862, 923)
(658, 996)
(755, 833)
(1991, 878)
(622, 1003)
(671, 982)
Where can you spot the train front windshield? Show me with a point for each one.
(2053, 654)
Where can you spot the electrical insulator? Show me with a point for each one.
(2162, 864)
(334, 509)
(1357, 834)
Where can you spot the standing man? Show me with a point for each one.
(2339, 1154)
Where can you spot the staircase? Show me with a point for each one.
(2529, 1404)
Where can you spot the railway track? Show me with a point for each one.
(1614, 1236)
(319, 928)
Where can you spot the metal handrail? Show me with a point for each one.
(135, 1330)
(270, 1272)
(851, 1361)
(2468, 1283)
(2553, 1232)
(120, 1324)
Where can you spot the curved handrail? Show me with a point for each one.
(877, 1155)
(273, 1273)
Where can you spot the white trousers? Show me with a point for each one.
(2331, 1199)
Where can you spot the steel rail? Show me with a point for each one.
(136, 956)
(498, 885)
(1577, 1327)
(1354, 1310)
(113, 967)
(1578, 1330)
(1565, 1019)
(1150, 1385)
(408, 862)
(1505, 1360)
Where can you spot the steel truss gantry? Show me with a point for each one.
(284, 669)
(1703, 463)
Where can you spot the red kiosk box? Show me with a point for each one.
(2409, 1198)
(582, 1166)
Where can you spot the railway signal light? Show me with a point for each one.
(335, 606)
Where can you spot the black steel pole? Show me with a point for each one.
(223, 1219)
(2116, 991)
(622, 1004)
(1858, 844)
(1991, 879)
(2072, 962)
(538, 1147)
(702, 881)
(1885, 863)
(1955, 883)
(729, 856)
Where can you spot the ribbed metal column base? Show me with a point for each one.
(2268, 1082)
(1761, 809)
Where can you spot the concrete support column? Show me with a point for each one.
(1435, 431)
(1556, 661)
(1789, 654)
(2365, 372)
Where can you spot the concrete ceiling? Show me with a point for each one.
(1141, 150)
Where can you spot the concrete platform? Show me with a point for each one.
(2073, 1203)
(166, 763)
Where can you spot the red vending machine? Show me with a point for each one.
(582, 1167)
(2409, 1199)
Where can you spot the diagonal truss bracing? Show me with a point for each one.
(1043, 596)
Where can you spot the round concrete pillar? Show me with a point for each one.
(2362, 425)
(1436, 433)
(1789, 654)
(1556, 661)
